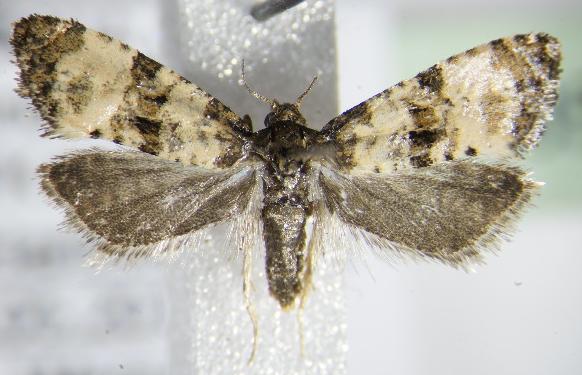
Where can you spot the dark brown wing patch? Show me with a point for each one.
(449, 212)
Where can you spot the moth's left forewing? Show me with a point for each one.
(87, 84)
(491, 101)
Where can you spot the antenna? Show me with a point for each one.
(300, 98)
(271, 102)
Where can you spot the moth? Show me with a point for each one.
(426, 168)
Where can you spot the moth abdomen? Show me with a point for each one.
(284, 237)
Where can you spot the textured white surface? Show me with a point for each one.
(282, 55)
(213, 332)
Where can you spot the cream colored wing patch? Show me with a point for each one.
(87, 84)
(491, 101)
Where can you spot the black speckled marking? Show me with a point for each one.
(217, 111)
(160, 100)
(345, 151)
(220, 138)
(423, 117)
(520, 38)
(470, 151)
(118, 124)
(431, 78)
(106, 38)
(425, 138)
(39, 42)
(351, 141)
(497, 43)
(203, 137)
(173, 126)
(214, 110)
(453, 59)
(472, 52)
(506, 58)
(147, 126)
(551, 63)
(519, 85)
(95, 134)
(531, 80)
(421, 161)
(227, 159)
(360, 114)
(79, 92)
(144, 69)
(150, 131)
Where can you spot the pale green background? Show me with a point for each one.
(558, 159)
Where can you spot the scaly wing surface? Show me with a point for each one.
(87, 84)
(449, 211)
(491, 101)
(421, 167)
(135, 204)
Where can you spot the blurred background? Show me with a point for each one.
(519, 314)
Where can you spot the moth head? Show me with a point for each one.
(280, 112)
(286, 112)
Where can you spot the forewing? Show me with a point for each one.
(448, 212)
(490, 101)
(87, 84)
(130, 202)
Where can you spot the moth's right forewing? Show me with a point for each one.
(491, 101)
(130, 204)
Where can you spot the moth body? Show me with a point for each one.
(284, 147)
